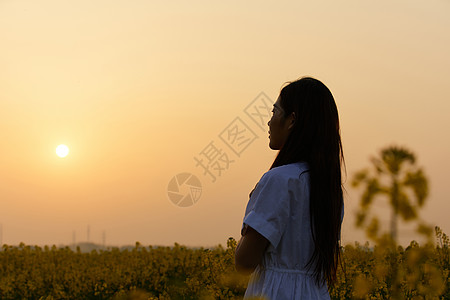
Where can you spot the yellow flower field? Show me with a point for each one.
(178, 272)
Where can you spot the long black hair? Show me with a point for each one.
(315, 139)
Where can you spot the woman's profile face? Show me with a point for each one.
(279, 126)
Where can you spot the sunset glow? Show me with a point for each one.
(142, 91)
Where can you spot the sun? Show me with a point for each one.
(62, 150)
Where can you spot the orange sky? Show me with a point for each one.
(137, 90)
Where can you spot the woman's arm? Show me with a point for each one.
(250, 250)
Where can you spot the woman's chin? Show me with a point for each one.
(273, 147)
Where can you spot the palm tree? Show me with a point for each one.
(394, 173)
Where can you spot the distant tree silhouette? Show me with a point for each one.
(393, 174)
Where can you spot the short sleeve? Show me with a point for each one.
(268, 208)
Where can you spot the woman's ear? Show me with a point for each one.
(291, 120)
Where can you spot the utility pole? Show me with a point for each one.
(74, 239)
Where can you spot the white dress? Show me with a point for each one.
(279, 210)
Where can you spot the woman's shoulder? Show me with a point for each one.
(293, 170)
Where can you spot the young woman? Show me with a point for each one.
(292, 224)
